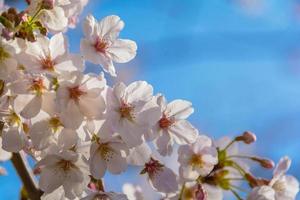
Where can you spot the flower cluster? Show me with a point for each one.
(77, 127)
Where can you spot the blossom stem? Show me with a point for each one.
(236, 194)
(20, 163)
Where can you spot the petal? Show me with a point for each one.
(51, 178)
(164, 144)
(89, 26)
(110, 27)
(12, 140)
(183, 132)
(32, 108)
(282, 167)
(179, 109)
(139, 155)
(67, 138)
(97, 165)
(122, 51)
(139, 91)
(58, 45)
(116, 164)
(164, 181)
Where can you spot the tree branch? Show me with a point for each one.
(24, 171)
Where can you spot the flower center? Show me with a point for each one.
(37, 86)
(279, 186)
(165, 122)
(101, 197)
(196, 161)
(106, 152)
(126, 111)
(47, 63)
(66, 165)
(55, 124)
(152, 167)
(75, 93)
(100, 45)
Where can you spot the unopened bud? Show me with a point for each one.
(265, 163)
(247, 137)
(37, 171)
(48, 4)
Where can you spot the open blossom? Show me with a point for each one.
(173, 126)
(50, 56)
(33, 95)
(197, 159)
(51, 131)
(161, 178)
(132, 111)
(101, 44)
(107, 153)
(281, 187)
(80, 98)
(66, 169)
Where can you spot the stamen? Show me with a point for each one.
(165, 122)
(152, 167)
(126, 111)
(106, 152)
(196, 161)
(66, 165)
(47, 63)
(100, 45)
(75, 93)
(37, 86)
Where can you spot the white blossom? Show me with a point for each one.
(101, 44)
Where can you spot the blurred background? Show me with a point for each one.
(238, 61)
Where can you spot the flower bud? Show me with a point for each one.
(265, 163)
(247, 137)
(48, 4)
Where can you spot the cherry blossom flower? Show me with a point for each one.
(65, 169)
(101, 44)
(50, 56)
(132, 111)
(197, 159)
(80, 97)
(107, 153)
(173, 126)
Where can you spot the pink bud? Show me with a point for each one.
(247, 137)
(265, 163)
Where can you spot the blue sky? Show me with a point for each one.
(239, 65)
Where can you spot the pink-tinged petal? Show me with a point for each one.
(282, 167)
(139, 91)
(122, 51)
(116, 164)
(179, 109)
(164, 144)
(110, 27)
(149, 115)
(139, 155)
(164, 181)
(58, 45)
(118, 92)
(213, 192)
(161, 101)
(183, 132)
(30, 62)
(32, 108)
(49, 105)
(184, 153)
(97, 164)
(12, 140)
(89, 26)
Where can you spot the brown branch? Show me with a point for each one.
(25, 173)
